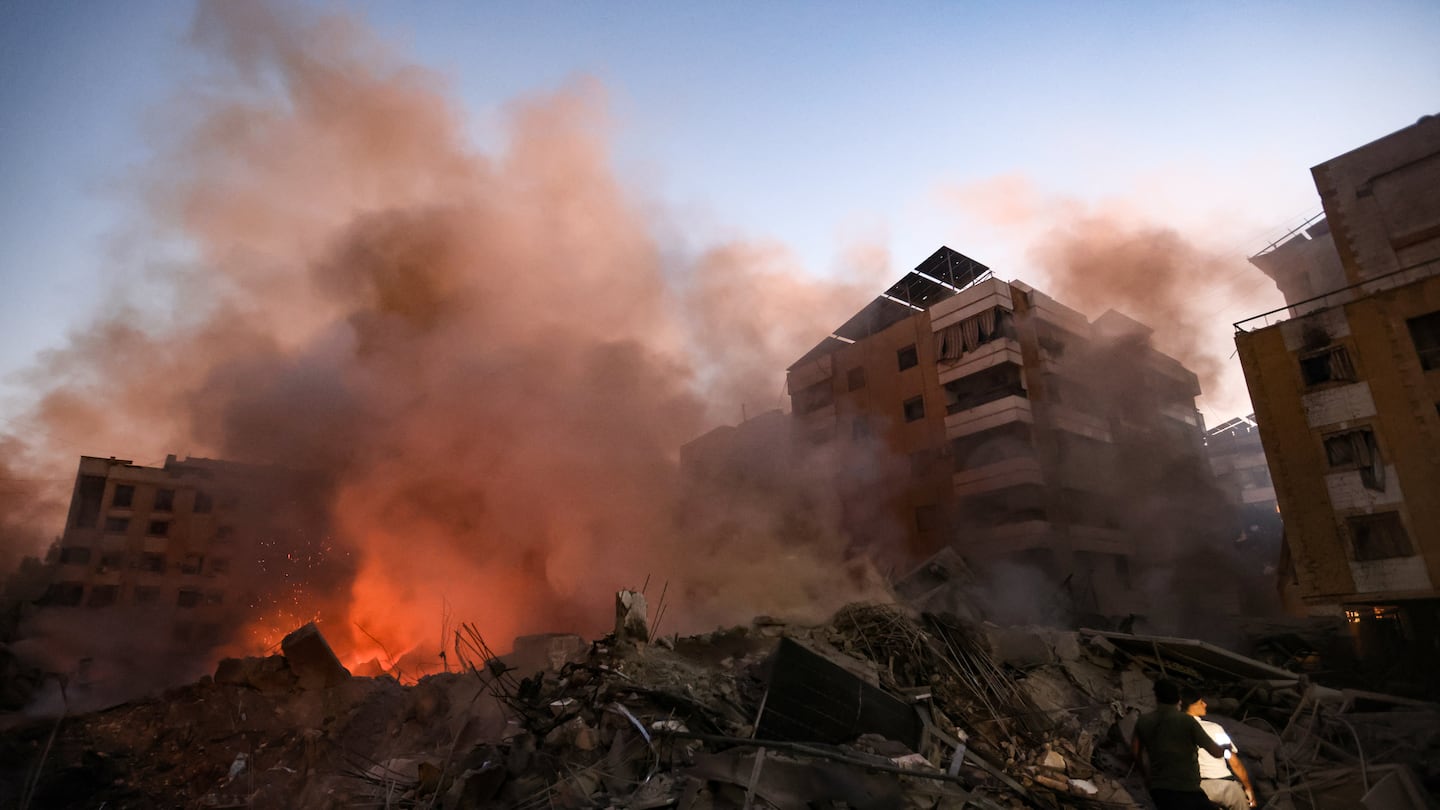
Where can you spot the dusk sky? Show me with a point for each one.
(821, 127)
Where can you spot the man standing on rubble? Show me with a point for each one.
(1223, 779)
(1169, 738)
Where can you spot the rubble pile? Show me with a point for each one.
(882, 707)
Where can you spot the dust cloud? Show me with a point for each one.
(1114, 255)
(489, 362)
(1101, 257)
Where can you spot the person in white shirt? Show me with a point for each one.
(1223, 779)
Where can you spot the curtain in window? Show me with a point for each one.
(970, 331)
(949, 344)
(1359, 449)
(952, 342)
(986, 322)
(1340, 366)
(1367, 456)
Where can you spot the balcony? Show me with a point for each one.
(806, 374)
(1045, 308)
(982, 295)
(997, 412)
(998, 475)
(1003, 350)
(1342, 296)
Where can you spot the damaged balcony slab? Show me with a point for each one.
(1195, 659)
(811, 698)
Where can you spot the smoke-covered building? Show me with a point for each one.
(1346, 388)
(159, 565)
(1019, 431)
(1238, 460)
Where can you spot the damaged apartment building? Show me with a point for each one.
(1238, 460)
(1345, 380)
(1011, 428)
(189, 550)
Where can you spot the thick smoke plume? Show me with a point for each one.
(1115, 256)
(484, 357)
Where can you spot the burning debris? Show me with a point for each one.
(882, 707)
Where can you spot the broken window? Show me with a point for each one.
(112, 560)
(203, 503)
(971, 391)
(814, 397)
(952, 342)
(1379, 536)
(64, 594)
(907, 357)
(153, 562)
(914, 409)
(855, 378)
(192, 563)
(219, 566)
(1425, 333)
(1357, 450)
(214, 597)
(187, 598)
(74, 555)
(145, 595)
(124, 496)
(1330, 365)
(164, 500)
(117, 525)
(159, 528)
(103, 596)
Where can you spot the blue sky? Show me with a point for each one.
(805, 123)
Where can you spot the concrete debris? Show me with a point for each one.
(631, 623)
(882, 707)
(311, 659)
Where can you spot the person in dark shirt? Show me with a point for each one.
(1168, 739)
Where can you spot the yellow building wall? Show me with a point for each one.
(1405, 421)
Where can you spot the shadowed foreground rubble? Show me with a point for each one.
(880, 708)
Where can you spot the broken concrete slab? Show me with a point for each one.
(270, 675)
(311, 659)
(631, 623)
(1021, 647)
(546, 652)
(811, 698)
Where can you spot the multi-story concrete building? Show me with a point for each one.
(1237, 459)
(189, 551)
(1346, 388)
(1006, 425)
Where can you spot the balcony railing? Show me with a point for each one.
(1344, 295)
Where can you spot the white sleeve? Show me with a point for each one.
(1217, 733)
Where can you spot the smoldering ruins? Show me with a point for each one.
(376, 426)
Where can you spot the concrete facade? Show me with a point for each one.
(1347, 396)
(1237, 458)
(193, 549)
(1012, 432)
